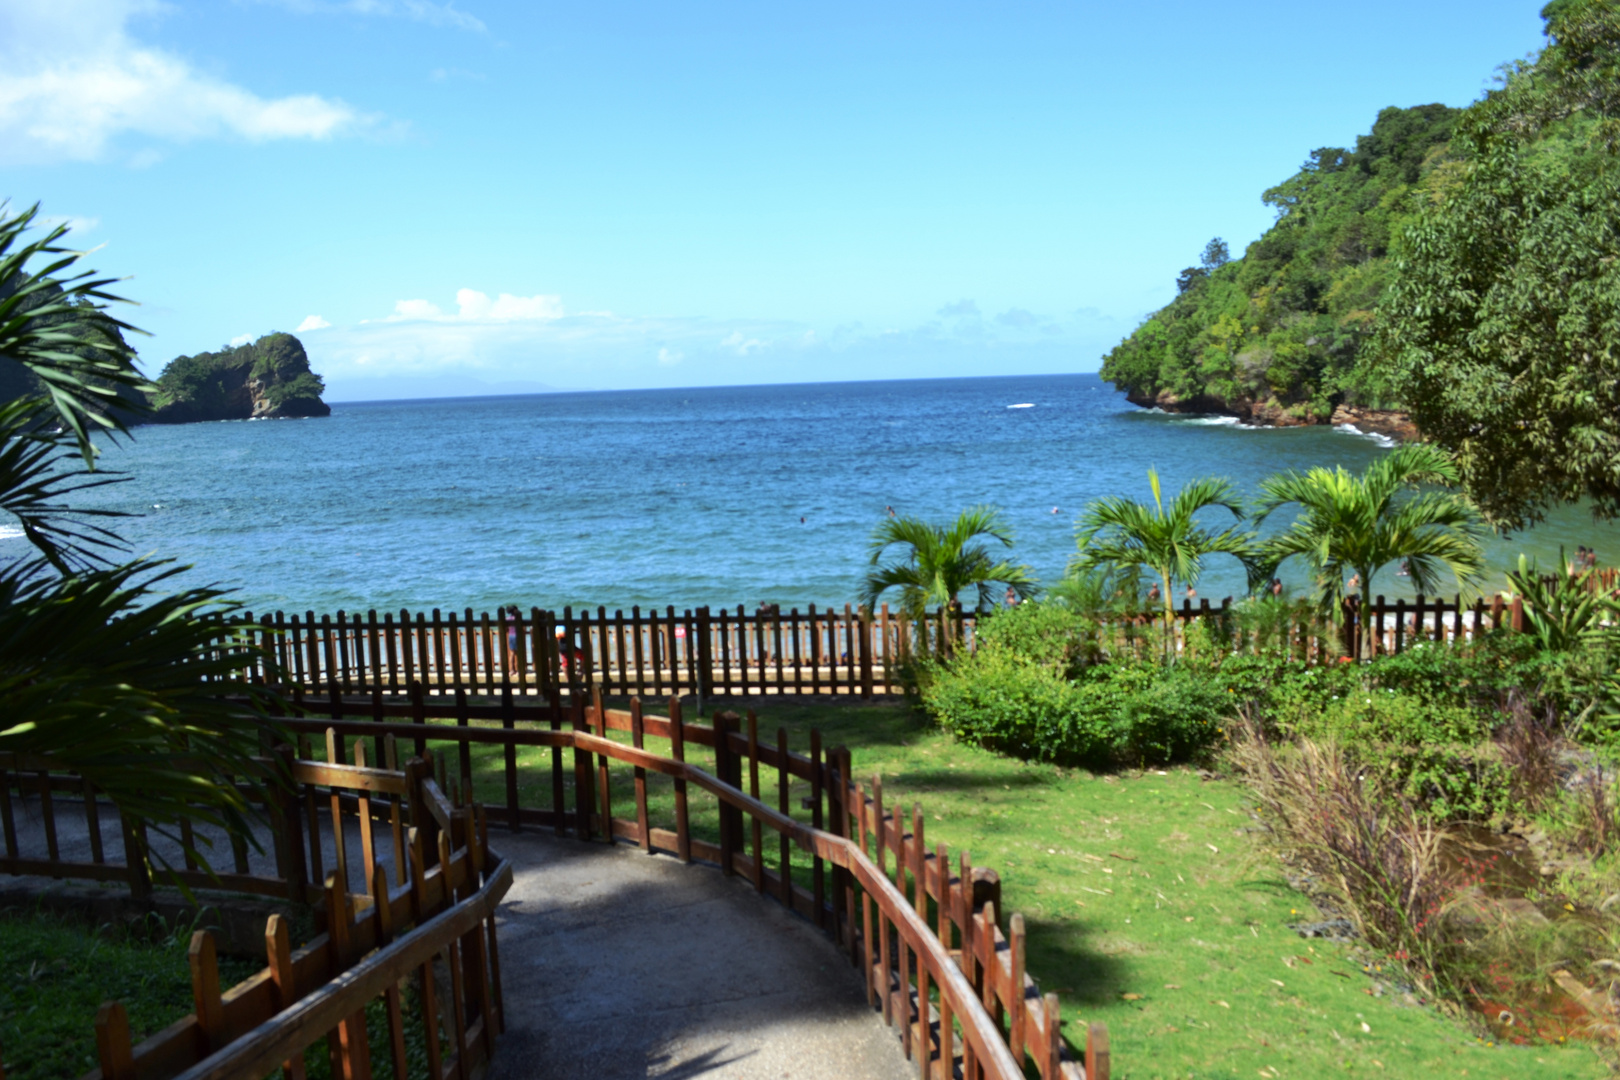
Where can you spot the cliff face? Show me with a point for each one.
(269, 378)
(1392, 423)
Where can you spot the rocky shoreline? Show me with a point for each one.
(1390, 423)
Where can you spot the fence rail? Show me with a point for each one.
(434, 911)
(927, 933)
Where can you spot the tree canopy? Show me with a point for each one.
(1287, 322)
(1501, 326)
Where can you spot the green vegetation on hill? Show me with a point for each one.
(1501, 323)
(1282, 329)
(269, 377)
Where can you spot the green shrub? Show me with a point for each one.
(999, 700)
(1049, 635)
(1120, 713)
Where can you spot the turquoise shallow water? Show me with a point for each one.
(680, 497)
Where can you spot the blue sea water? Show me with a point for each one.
(719, 496)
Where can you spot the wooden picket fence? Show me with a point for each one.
(698, 652)
(430, 885)
(721, 653)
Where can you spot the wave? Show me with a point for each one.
(1351, 429)
(10, 532)
(1023, 405)
(1219, 421)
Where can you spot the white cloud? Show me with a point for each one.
(240, 340)
(475, 306)
(516, 339)
(422, 11)
(312, 322)
(741, 343)
(415, 309)
(73, 80)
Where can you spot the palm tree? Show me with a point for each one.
(939, 563)
(1357, 525)
(1167, 541)
(101, 668)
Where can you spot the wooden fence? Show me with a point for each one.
(926, 931)
(430, 885)
(701, 652)
(718, 654)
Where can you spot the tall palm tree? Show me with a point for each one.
(101, 667)
(1168, 541)
(1358, 525)
(940, 562)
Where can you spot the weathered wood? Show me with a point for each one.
(818, 869)
(205, 993)
(113, 1047)
(757, 829)
(677, 751)
(638, 740)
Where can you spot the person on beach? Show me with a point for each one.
(514, 631)
(1355, 584)
(1153, 594)
(1012, 596)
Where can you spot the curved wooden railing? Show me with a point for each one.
(432, 893)
(926, 935)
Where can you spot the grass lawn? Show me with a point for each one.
(1149, 903)
(56, 972)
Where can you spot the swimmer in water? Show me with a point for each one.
(1054, 509)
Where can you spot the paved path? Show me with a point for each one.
(619, 964)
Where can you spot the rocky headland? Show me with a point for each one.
(269, 378)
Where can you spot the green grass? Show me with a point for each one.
(56, 972)
(1150, 905)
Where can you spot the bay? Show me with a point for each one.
(719, 496)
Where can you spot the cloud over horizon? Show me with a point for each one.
(535, 339)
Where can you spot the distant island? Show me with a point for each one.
(1279, 335)
(269, 378)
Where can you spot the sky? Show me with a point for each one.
(475, 196)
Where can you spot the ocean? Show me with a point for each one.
(718, 496)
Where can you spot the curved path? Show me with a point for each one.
(618, 964)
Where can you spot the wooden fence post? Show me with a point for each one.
(113, 1047)
(705, 658)
(728, 768)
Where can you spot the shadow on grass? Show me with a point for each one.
(962, 779)
(1076, 973)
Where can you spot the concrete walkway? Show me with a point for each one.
(617, 964)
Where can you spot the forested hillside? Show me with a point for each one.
(1278, 335)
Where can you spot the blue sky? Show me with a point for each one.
(478, 194)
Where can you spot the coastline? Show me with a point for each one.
(1392, 424)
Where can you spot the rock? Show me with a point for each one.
(1335, 930)
(1392, 423)
(268, 379)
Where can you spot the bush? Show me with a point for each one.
(1121, 713)
(1047, 635)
